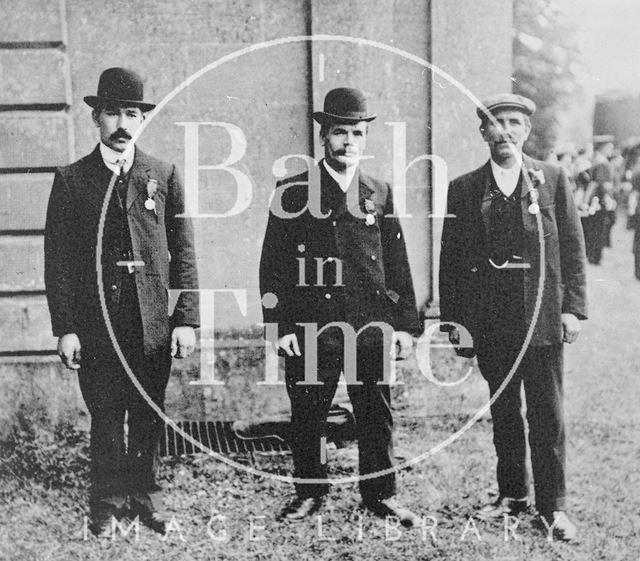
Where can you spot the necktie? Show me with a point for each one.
(121, 183)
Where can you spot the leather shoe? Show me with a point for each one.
(300, 508)
(151, 518)
(390, 507)
(101, 526)
(102, 516)
(504, 505)
(101, 520)
(562, 529)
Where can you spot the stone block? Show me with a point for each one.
(32, 139)
(33, 76)
(26, 325)
(23, 200)
(31, 20)
(22, 263)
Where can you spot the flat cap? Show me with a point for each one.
(506, 101)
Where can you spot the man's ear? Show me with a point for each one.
(95, 114)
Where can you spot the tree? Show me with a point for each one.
(547, 67)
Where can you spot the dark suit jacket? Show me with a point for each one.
(163, 242)
(376, 278)
(465, 253)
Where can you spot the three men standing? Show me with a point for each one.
(335, 279)
(512, 273)
(145, 249)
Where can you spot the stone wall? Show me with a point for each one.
(52, 53)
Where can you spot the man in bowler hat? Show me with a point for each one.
(146, 248)
(334, 263)
(512, 275)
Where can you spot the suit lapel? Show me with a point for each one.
(485, 199)
(340, 203)
(139, 176)
(529, 220)
(358, 191)
(96, 178)
(364, 189)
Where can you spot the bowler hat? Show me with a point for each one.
(119, 86)
(506, 101)
(347, 105)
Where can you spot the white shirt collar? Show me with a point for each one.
(342, 179)
(506, 178)
(111, 159)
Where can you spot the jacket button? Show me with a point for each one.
(373, 258)
(113, 288)
(334, 223)
(327, 296)
(474, 269)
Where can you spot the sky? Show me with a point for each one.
(609, 37)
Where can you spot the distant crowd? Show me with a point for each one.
(605, 179)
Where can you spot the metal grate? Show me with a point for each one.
(248, 437)
(218, 436)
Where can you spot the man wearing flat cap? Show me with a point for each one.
(334, 264)
(109, 275)
(512, 276)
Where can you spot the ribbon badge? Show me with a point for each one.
(152, 188)
(537, 178)
(370, 207)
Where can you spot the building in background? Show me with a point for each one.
(618, 113)
(251, 111)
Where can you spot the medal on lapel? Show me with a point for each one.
(537, 178)
(370, 207)
(150, 203)
(534, 196)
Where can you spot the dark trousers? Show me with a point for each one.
(372, 411)
(636, 246)
(118, 468)
(594, 235)
(541, 373)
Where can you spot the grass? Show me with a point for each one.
(41, 518)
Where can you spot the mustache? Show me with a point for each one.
(343, 152)
(120, 134)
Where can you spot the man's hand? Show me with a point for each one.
(183, 341)
(571, 328)
(289, 344)
(454, 336)
(402, 345)
(69, 350)
(463, 351)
